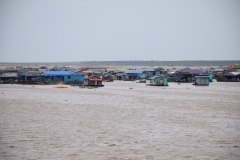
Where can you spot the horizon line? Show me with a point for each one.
(118, 61)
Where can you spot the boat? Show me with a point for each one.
(141, 81)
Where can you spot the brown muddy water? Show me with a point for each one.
(115, 122)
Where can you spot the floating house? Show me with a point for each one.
(187, 75)
(68, 77)
(201, 80)
(120, 76)
(158, 81)
(139, 73)
(210, 76)
(93, 69)
(171, 75)
(96, 73)
(149, 73)
(8, 77)
(93, 81)
(235, 66)
(163, 72)
(157, 72)
(30, 76)
(11, 69)
(141, 81)
(130, 77)
(18, 68)
(43, 68)
(229, 77)
(59, 68)
(108, 78)
(51, 77)
(216, 69)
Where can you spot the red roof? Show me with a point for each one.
(94, 78)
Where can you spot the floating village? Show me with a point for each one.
(95, 76)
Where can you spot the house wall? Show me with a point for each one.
(157, 72)
(153, 81)
(71, 78)
(165, 82)
(207, 81)
(143, 76)
(203, 81)
(31, 78)
(139, 75)
(8, 78)
(66, 78)
(187, 77)
(210, 77)
(119, 77)
(58, 78)
(161, 81)
(133, 72)
(92, 82)
(86, 81)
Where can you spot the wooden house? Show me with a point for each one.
(8, 77)
(201, 80)
(108, 78)
(229, 77)
(138, 73)
(51, 77)
(120, 76)
(187, 75)
(93, 81)
(209, 75)
(158, 81)
(67, 77)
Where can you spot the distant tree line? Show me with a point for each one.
(142, 63)
(163, 63)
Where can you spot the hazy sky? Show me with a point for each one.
(83, 30)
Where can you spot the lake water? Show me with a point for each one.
(115, 122)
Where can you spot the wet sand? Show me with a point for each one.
(116, 122)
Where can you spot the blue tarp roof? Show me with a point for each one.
(133, 71)
(52, 73)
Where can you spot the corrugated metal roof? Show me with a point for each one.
(52, 73)
(235, 73)
(9, 75)
(94, 78)
(31, 73)
(171, 72)
(191, 71)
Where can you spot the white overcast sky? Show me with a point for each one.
(92, 30)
